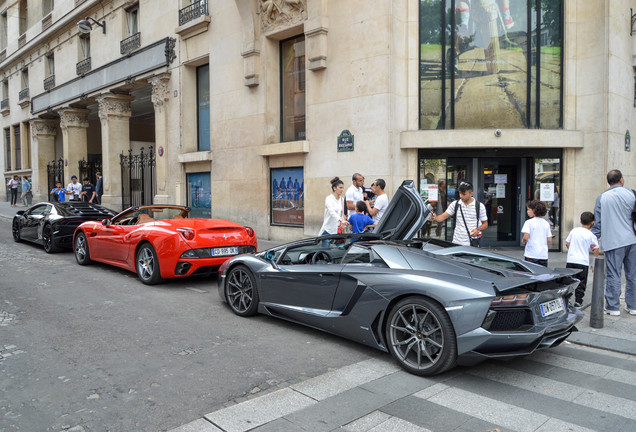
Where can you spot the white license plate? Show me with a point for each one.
(224, 251)
(551, 307)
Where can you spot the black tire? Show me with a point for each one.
(80, 249)
(48, 239)
(15, 229)
(241, 292)
(147, 265)
(420, 336)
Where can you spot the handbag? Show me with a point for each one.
(474, 241)
(343, 228)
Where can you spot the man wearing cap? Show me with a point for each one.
(88, 191)
(74, 188)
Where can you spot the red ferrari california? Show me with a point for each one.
(160, 242)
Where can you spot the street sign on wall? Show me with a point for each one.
(345, 141)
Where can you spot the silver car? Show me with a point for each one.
(430, 303)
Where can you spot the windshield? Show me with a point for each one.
(151, 214)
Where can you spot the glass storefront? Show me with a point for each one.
(502, 183)
(491, 64)
(199, 197)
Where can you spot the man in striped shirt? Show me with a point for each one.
(467, 212)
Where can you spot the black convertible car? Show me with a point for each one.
(430, 303)
(52, 224)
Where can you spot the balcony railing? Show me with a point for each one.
(49, 82)
(47, 21)
(130, 43)
(3, 55)
(83, 66)
(22, 40)
(4, 104)
(195, 10)
(24, 94)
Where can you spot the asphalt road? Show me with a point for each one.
(92, 348)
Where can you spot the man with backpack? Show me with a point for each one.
(614, 225)
(470, 216)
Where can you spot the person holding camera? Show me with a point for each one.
(58, 192)
(74, 188)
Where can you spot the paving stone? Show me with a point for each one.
(200, 425)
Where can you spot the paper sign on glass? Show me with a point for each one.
(501, 191)
(433, 193)
(547, 192)
(501, 178)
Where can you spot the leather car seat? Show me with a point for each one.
(144, 218)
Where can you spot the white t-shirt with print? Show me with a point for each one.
(381, 203)
(580, 239)
(537, 245)
(461, 236)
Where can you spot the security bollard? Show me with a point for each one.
(598, 293)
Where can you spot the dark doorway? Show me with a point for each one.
(499, 190)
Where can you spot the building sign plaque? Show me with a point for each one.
(345, 141)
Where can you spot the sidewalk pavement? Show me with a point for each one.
(617, 334)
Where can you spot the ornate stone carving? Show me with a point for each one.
(114, 105)
(73, 117)
(43, 127)
(160, 93)
(277, 13)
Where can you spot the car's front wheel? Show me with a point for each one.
(48, 239)
(80, 247)
(240, 291)
(15, 228)
(421, 337)
(148, 265)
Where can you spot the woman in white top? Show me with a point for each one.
(334, 208)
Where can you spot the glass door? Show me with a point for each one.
(500, 192)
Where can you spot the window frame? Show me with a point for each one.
(198, 109)
(301, 83)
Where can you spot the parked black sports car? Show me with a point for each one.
(52, 224)
(430, 303)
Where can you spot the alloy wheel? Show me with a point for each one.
(240, 291)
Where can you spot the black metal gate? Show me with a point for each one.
(137, 178)
(89, 169)
(55, 173)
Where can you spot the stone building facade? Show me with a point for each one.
(228, 99)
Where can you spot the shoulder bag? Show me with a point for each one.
(474, 241)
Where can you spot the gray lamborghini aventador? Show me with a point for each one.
(430, 303)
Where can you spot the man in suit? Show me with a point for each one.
(99, 187)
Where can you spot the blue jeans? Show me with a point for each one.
(325, 243)
(615, 260)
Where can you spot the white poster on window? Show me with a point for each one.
(501, 191)
(547, 192)
(501, 178)
(433, 193)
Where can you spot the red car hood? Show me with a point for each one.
(209, 229)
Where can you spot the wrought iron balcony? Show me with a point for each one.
(49, 82)
(24, 94)
(130, 43)
(83, 66)
(195, 10)
(3, 55)
(4, 104)
(22, 40)
(47, 21)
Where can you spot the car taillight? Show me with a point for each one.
(509, 300)
(187, 233)
(250, 231)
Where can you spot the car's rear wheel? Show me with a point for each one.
(48, 239)
(148, 265)
(421, 337)
(15, 228)
(80, 247)
(240, 291)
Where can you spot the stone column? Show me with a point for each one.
(43, 150)
(114, 114)
(160, 95)
(74, 125)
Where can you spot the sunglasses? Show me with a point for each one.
(372, 184)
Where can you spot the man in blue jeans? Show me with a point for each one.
(614, 226)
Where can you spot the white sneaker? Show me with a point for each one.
(612, 312)
(630, 311)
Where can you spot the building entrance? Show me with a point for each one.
(503, 184)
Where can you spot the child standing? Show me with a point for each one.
(536, 234)
(579, 243)
(360, 221)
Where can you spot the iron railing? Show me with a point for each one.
(47, 21)
(3, 55)
(49, 82)
(195, 10)
(22, 40)
(55, 173)
(89, 169)
(24, 94)
(83, 66)
(130, 43)
(137, 178)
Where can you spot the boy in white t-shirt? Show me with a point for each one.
(536, 234)
(580, 242)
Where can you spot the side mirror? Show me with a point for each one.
(269, 256)
(20, 212)
(106, 222)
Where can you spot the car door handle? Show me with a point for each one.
(326, 274)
